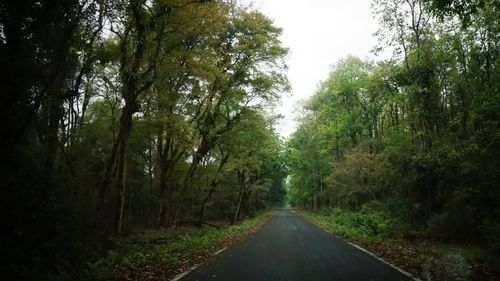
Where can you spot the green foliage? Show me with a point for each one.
(141, 251)
(369, 223)
(416, 135)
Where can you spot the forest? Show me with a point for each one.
(408, 147)
(121, 115)
(128, 116)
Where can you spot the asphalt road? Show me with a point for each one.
(290, 248)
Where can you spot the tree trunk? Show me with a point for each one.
(55, 113)
(241, 179)
(125, 126)
(238, 205)
(213, 186)
(201, 212)
(201, 152)
(110, 164)
(321, 192)
(354, 139)
(165, 188)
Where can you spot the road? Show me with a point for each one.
(290, 248)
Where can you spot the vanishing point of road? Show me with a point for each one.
(289, 248)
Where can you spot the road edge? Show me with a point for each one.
(225, 246)
(380, 259)
(361, 249)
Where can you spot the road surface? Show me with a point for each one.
(289, 248)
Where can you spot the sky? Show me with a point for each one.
(318, 33)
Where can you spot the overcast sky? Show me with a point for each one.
(318, 33)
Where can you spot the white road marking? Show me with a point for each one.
(219, 251)
(368, 252)
(384, 261)
(179, 276)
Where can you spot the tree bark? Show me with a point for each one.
(125, 127)
(238, 205)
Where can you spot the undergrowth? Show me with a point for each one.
(426, 258)
(160, 254)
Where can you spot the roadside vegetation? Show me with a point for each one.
(403, 154)
(424, 257)
(161, 254)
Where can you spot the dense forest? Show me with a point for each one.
(409, 146)
(126, 114)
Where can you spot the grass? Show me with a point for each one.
(426, 259)
(161, 254)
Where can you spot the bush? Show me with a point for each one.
(369, 223)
